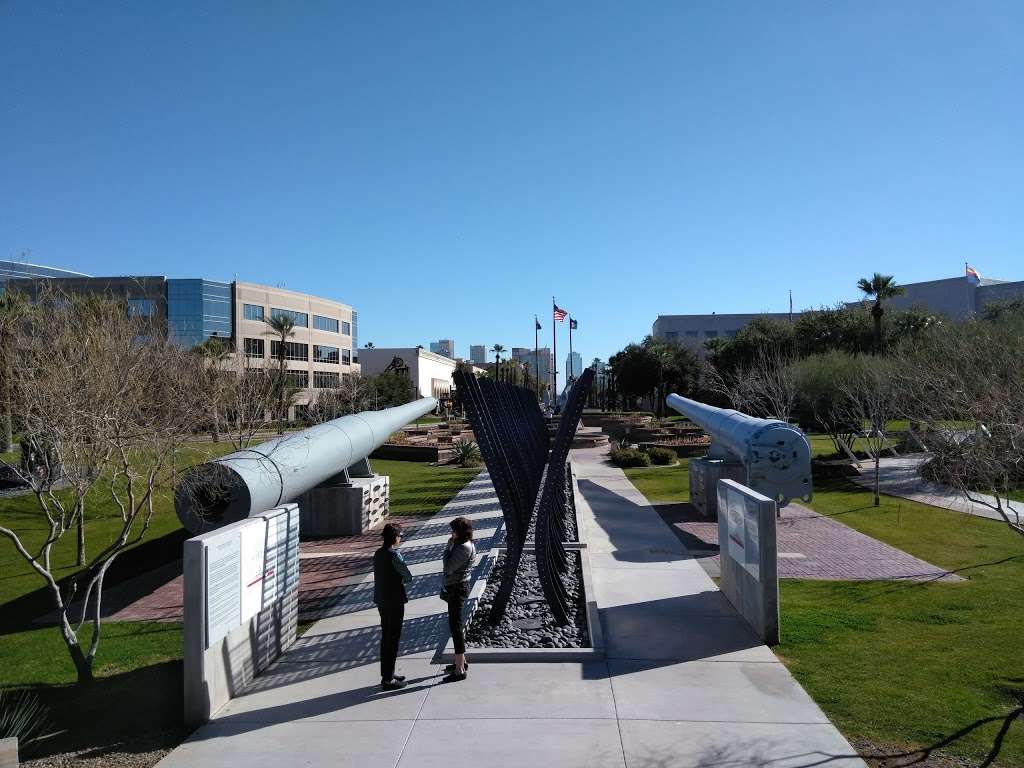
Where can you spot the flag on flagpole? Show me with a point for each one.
(972, 275)
(559, 313)
(573, 325)
(537, 322)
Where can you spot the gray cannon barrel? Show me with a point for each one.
(776, 454)
(256, 479)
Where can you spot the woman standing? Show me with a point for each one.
(390, 575)
(459, 554)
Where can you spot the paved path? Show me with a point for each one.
(811, 546)
(686, 683)
(900, 476)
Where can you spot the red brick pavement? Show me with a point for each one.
(811, 546)
(157, 596)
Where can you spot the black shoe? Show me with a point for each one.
(451, 667)
(399, 678)
(393, 684)
(453, 677)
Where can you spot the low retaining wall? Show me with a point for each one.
(240, 606)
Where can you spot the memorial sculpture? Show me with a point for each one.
(530, 485)
(767, 455)
(289, 468)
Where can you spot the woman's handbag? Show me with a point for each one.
(444, 590)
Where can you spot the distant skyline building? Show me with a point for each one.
(573, 365)
(958, 298)
(543, 360)
(478, 354)
(444, 347)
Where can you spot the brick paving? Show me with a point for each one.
(810, 546)
(327, 569)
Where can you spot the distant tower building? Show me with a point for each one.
(478, 354)
(444, 347)
(573, 365)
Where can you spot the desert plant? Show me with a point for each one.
(467, 453)
(662, 456)
(629, 457)
(22, 717)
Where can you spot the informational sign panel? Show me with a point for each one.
(223, 586)
(253, 556)
(748, 556)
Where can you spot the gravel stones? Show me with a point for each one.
(528, 622)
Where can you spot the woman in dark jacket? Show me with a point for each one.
(459, 554)
(390, 575)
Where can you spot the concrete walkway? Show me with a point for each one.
(686, 683)
(900, 476)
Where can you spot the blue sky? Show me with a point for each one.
(446, 168)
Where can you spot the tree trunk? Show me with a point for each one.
(81, 534)
(876, 314)
(878, 501)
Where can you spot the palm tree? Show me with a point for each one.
(879, 287)
(370, 345)
(282, 326)
(497, 349)
(214, 352)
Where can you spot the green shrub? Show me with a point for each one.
(22, 717)
(467, 453)
(629, 457)
(662, 456)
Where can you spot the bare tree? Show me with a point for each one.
(248, 396)
(964, 386)
(766, 388)
(107, 402)
(870, 401)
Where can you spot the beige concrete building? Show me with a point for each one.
(320, 350)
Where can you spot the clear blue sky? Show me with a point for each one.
(447, 168)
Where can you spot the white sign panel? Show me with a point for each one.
(223, 586)
(737, 514)
(253, 554)
(752, 546)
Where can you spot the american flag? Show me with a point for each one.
(559, 313)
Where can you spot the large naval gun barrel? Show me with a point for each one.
(776, 455)
(253, 480)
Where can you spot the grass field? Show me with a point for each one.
(905, 664)
(138, 663)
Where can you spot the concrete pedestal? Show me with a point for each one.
(345, 509)
(705, 473)
(8, 753)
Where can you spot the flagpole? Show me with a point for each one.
(536, 355)
(554, 347)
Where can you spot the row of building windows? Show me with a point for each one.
(709, 334)
(321, 379)
(301, 319)
(294, 350)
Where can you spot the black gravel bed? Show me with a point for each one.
(528, 609)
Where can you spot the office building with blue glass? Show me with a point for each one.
(319, 352)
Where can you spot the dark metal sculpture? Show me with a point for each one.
(513, 439)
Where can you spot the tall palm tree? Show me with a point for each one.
(214, 352)
(879, 287)
(370, 345)
(283, 327)
(497, 349)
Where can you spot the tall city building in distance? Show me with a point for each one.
(573, 365)
(478, 354)
(444, 347)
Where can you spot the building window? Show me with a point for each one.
(691, 334)
(141, 308)
(731, 334)
(299, 318)
(297, 378)
(346, 328)
(293, 350)
(325, 354)
(254, 348)
(326, 379)
(710, 334)
(346, 356)
(671, 335)
(322, 323)
(253, 312)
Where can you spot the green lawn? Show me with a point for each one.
(905, 664)
(138, 663)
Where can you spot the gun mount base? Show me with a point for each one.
(347, 509)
